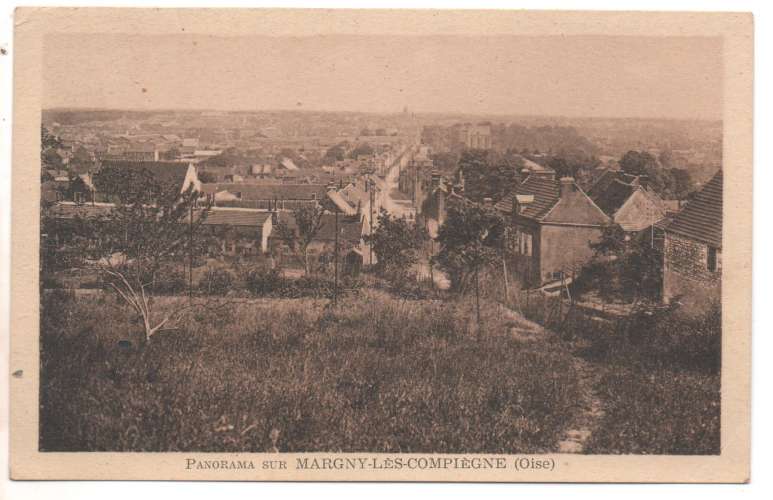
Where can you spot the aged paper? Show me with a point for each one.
(383, 245)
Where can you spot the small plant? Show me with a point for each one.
(216, 282)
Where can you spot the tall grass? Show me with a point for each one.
(375, 374)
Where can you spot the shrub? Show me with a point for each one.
(261, 281)
(216, 282)
(169, 281)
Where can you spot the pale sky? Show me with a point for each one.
(658, 77)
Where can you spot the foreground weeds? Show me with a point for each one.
(374, 374)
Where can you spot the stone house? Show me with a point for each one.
(552, 224)
(692, 255)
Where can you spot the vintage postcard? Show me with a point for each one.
(381, 245)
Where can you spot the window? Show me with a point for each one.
(525, 244)
(711, 259)
(78, 197)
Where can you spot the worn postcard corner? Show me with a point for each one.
(303, 245)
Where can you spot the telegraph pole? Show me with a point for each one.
(190, 257)
(335, 281)
(372, 198)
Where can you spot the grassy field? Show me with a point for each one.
(375, 374)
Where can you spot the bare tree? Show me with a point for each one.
(145, 230)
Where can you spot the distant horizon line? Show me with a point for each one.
(447, 113)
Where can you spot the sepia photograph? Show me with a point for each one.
(377, 251)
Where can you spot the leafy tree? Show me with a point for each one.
(486, 176)
(335, 153)
(396, 244)
(49, 158)
(144, 233)
(670, 183)
(362, 149)
(308, 221)
(627, 266)
(470, 240)
(638, 163)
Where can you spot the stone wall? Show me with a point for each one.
(686, 273)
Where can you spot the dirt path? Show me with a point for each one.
(591, 409)
(590, 413)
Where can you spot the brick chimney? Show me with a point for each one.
(521, 201)
(567, 186)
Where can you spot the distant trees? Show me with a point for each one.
(670, 183)
(308, 220)
(396, 244)
(335, 153)
(487, 176)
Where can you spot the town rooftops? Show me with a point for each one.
(349, 227)
(171, 172)
(269, 191)
(236, 217)
(701, 219)
(69, 210)
(606, 178)
(549, 205)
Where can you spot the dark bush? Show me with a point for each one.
(262, 281)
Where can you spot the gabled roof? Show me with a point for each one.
(701, 219)
(171, 172)
(606, 178)
(236, 217)
(549, 207)
(545, 191)
(613, 197)
(349, 227)
(341, 203)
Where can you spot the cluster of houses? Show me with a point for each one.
(552, 222)
(243, 216)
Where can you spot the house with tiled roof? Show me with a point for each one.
(167, 173)
(265, 196)
(239, 231)
(352, 249)
(627, 201)
(552, 224)
(692, 255)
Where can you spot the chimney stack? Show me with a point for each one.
(435, 180)
(567, 186)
